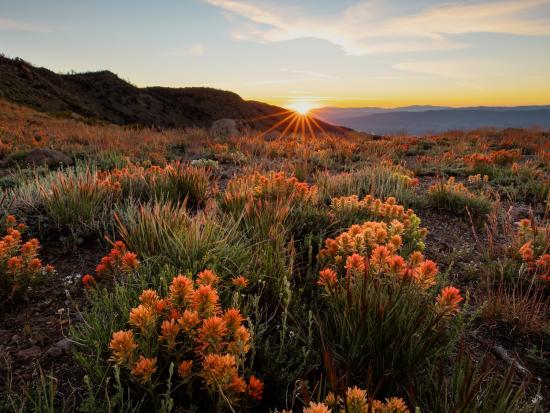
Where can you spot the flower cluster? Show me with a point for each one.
(534, 249)
(476, 179)
(370, 208)
(188, 328)
(500, 157)
(357, 401)
(19, 262)
(453, 187)
(118, 262)
(272, 187)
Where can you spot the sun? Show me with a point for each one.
(301, 107)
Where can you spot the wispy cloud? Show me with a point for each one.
(195, 50)
(22, 26)
(375, 26)
(316, 75)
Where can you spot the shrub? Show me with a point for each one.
(166, 232)
(350, 210)
(175, 182)
(379, 323)
(20, 266)
(455, 197)
(190, 332)
(78, 201)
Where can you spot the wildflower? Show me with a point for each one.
(379, 257)
(237, 385)
(149, 298)
(181, 290)
(316, 408)
(122, 346)
(543, 267)
(448, 299)
(211, 334)
(232, 319)
(207, 277)
(356, 399)
(169, 331)
(185, 368)
(526, 252)
(240, 282)
(142, 317)
(331, 400)
(397, 265)
(205, 300)
(255, 388)
(144, 369)
(188, 320)
(355, 264)
(328, 278)
(240, 344)
(130, 261)
(219, 369)
(426, 273)
(396, 405)
(88, 281)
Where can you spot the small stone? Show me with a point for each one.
(30, 353)
(54, 352)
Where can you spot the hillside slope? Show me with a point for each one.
(104, 96)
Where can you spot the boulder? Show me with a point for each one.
(224, 128)
(49, 157)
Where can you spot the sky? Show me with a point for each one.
(348, 53)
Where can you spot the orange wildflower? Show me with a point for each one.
(219, 369)
(233, 319)
(316, 408)
(185, 368)
(449, 298)
(142, 317)
(205, 300)
(240, 282)
(181, 289)
(207, 277)
(130, 261)
(169, 332)
(396, 405)
(122, 346)
(526, 251)
(144, 369)
(189, 320)
(211, 334)
(355, 263)
(255, 388)
(426, 273)
(328, 278)
(149, 298)
(88, 281)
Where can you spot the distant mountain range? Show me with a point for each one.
(103, 96)
(433, 119)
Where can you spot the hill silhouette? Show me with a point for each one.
(104, 96)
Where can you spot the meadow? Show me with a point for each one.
(174, 271)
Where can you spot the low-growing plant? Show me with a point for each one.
(20, 266)
(188, 332)
(380, 323)
(455, 197)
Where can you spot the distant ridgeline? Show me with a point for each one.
(104, 96)
(433, 119)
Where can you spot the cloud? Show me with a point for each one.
(195, 50)
(316, 75)
(377, 26)
(21, 26)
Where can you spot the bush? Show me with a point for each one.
(379, 324)
(189, 332)
(350, 210)
(381, 181)
(20, 266)
(455, 197)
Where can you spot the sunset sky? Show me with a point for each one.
(328, 52)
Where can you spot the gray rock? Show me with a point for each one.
(49, 157)
(63, 346)
(224, 128)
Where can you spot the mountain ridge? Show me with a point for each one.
(103, 96)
